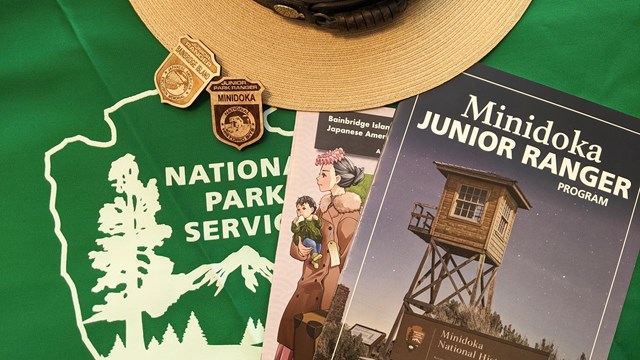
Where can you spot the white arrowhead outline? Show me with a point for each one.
(54, 188)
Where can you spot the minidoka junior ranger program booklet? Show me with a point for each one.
(500, 225)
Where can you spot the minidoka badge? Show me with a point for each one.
(236, 107)
(185, 72)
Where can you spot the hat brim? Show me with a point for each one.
(306, 68)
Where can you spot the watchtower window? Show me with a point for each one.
(505, 217)
(470, 203)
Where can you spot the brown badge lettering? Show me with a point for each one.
(236, 107)
(185, 72)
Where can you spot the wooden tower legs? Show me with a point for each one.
(443, 276)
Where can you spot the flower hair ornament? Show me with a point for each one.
(330, 157)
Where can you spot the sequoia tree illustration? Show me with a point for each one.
(133, 273)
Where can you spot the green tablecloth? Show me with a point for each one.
(64, 62)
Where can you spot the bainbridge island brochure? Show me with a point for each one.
(333, 158)
(500, 225)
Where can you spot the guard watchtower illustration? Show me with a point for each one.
(471, 227)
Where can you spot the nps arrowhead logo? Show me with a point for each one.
(124, 280)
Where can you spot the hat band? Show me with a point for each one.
(341, 15)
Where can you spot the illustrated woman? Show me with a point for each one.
(339, 211)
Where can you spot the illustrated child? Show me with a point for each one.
(339, 211)
(306, 228)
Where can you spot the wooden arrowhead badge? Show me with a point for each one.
(185, 72)
(236, 107)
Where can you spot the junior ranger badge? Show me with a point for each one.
(236, 107)
(185, 72)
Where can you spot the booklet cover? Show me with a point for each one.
(500, 225)
(333, 158)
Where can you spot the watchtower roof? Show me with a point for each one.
(510, 184)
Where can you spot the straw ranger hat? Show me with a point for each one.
(306, 67)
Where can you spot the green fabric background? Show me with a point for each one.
(63, 63)
(62, 60)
